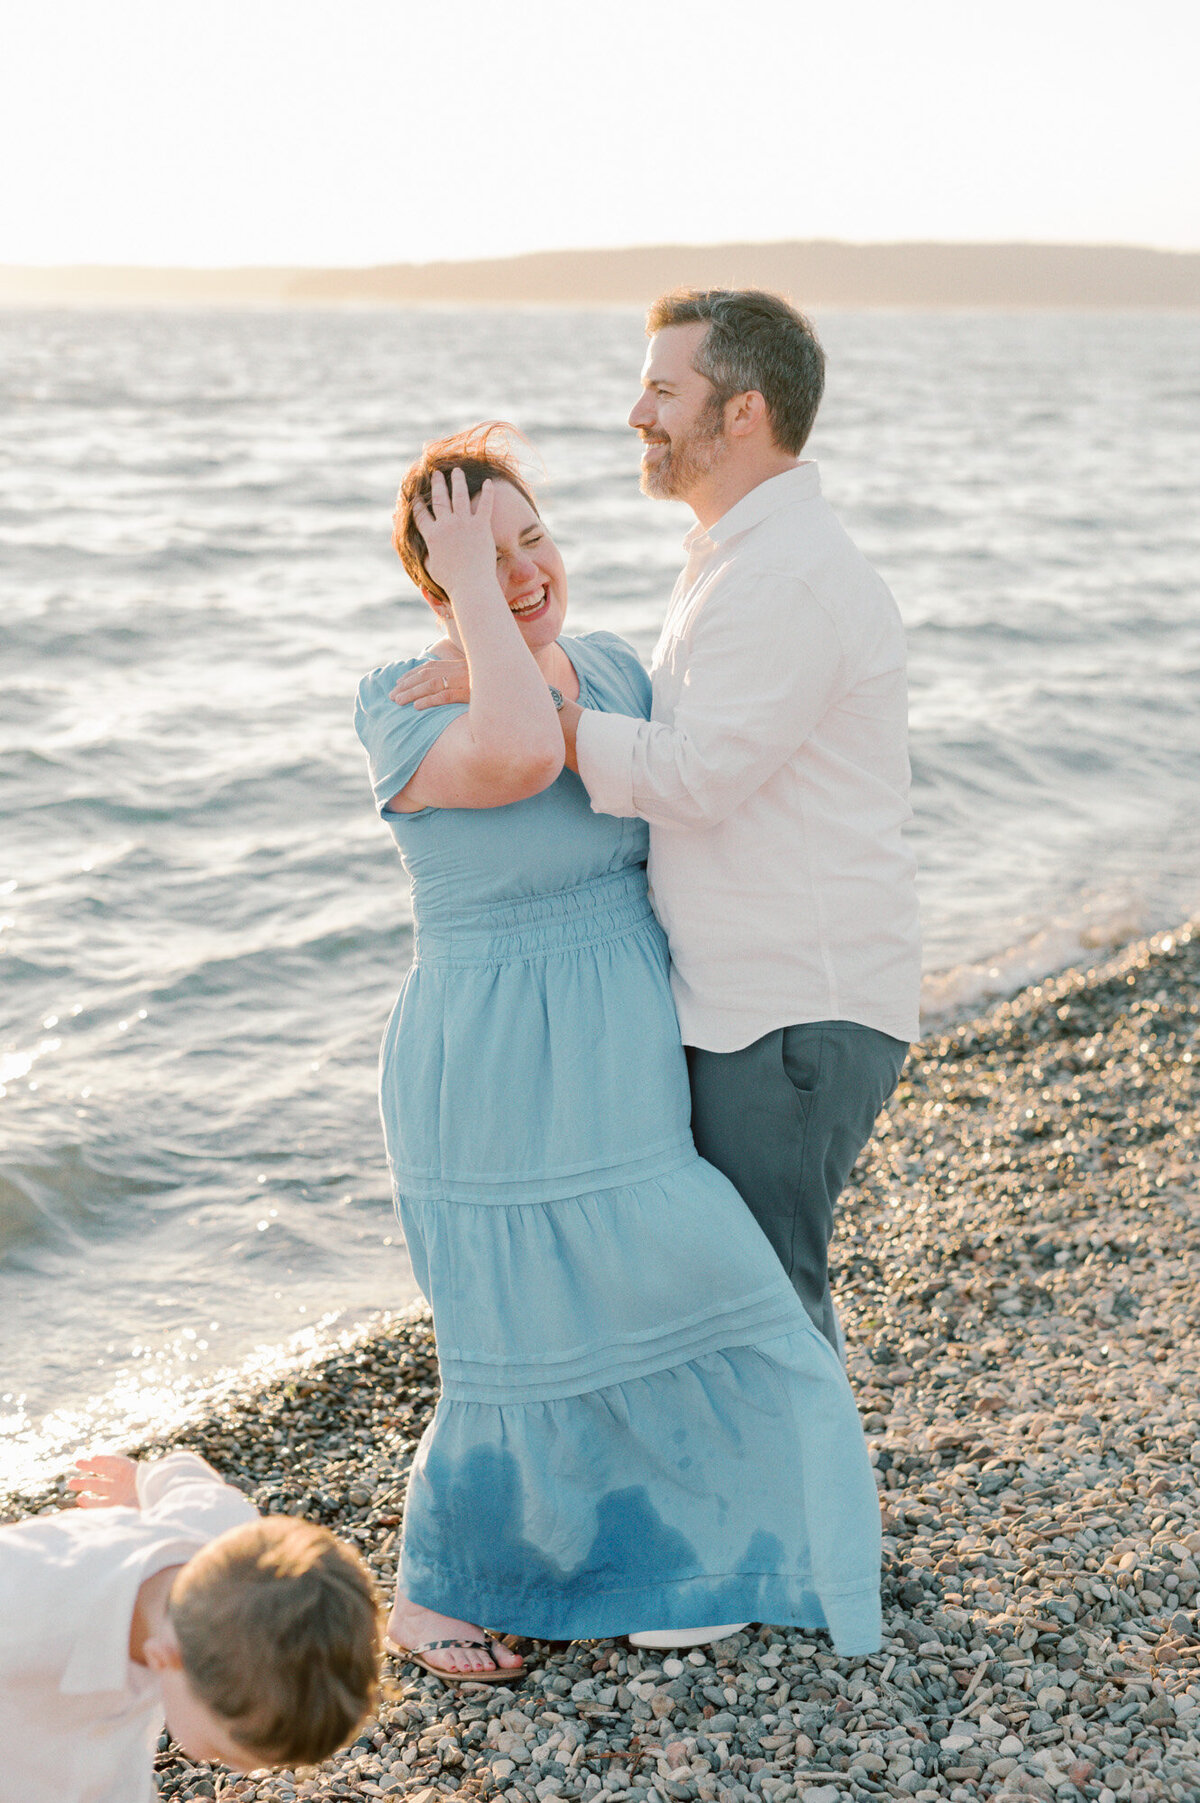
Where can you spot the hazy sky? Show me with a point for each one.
(360, 131)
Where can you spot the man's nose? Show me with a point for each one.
(642, 412)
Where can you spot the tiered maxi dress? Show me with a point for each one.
(639, 1427)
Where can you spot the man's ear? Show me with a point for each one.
(161, 1653)
(745, 413)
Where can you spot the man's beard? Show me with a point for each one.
(687, 460)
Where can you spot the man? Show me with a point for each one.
(773, 773)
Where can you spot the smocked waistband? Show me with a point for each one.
(529, 926)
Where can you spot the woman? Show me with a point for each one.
(639, 1428)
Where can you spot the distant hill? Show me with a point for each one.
(817, 274)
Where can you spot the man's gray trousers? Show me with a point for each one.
(785, 1118)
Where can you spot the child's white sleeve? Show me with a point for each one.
(182, 1489)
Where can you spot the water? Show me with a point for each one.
(202, 923)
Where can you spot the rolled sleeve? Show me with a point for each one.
(184, 1491)
(605, 746)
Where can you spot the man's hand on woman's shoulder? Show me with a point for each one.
(435, 683)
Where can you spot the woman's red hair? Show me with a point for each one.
(482, 452)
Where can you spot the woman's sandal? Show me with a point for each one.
(415, 1655)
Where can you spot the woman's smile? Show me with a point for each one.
(529, 607)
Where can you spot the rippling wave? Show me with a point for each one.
(202, 924)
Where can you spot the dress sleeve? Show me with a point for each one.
(396, 739)
(626, 684)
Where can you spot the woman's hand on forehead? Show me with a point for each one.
(460, 548)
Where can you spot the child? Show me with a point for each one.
(256, 1638)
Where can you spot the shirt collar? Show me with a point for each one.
(784, 490)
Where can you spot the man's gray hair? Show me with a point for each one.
(755, 340)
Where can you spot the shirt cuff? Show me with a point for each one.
(604, 745)
(154, 1477)
(184, 1490)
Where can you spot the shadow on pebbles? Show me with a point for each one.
(1018, 1267)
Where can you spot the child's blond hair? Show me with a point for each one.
(278, 1630)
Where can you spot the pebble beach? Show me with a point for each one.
(1017, 1266)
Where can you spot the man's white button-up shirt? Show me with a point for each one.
(79, 1721)
(774, 775)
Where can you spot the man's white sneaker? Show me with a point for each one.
(666, 1640)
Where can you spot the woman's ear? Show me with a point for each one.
(435, 601)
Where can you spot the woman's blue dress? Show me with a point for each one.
(639, 1427)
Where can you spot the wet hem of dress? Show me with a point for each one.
(856, 1629)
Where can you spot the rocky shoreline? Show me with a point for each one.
(1017, 1272)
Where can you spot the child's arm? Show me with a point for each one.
(180, 1486)
(183, 1488)
(109, 1481)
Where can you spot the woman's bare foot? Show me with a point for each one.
(411, 1626)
